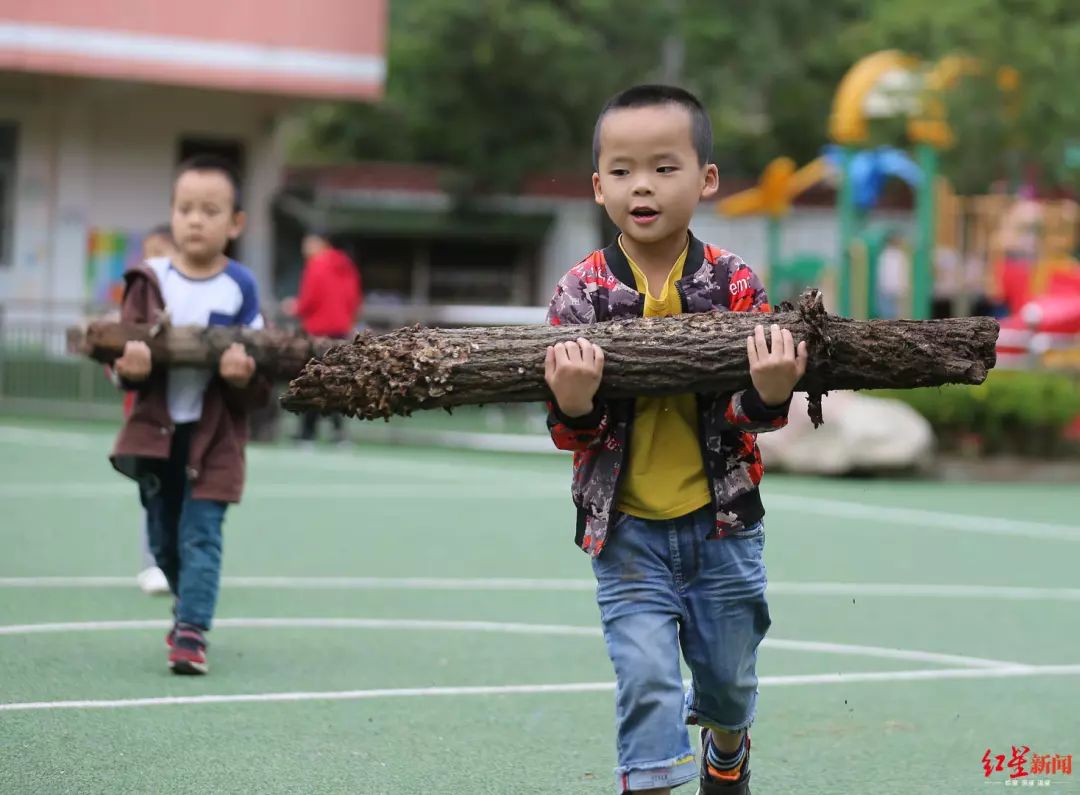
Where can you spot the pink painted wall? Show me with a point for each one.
(340, 42)
(351, 26)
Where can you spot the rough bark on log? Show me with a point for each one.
(421, 368)
(280, 354)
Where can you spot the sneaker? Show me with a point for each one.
(187, 654)
(709, 784)
(152, 581)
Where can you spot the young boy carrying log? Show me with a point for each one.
(667, 487)
(184, 439)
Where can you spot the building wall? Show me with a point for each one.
(318, 48)
(100, 155)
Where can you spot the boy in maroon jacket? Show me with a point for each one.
(184, 439)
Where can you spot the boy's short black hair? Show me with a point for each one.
(161, 230)
(651, 94)
(217, 164)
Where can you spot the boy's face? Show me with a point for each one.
(649, 178)
(157, 246)
(203, 216)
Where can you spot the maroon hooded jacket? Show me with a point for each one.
(216, 457)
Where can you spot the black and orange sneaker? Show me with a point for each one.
(188, 652)
(715, 782)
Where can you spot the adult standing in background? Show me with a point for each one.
(329, 305)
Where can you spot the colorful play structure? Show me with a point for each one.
(1023, 249)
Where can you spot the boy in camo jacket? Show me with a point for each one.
(666, 488)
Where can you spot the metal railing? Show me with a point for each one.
(39, 376)
(37, 373)
(1029, 349)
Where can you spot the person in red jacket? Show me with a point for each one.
(328, 305)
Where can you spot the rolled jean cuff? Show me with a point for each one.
(654, 775)
(695, 718)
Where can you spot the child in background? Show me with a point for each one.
(184, 440)
(894, 279)
(157, 243)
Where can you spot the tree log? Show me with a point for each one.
(421, 368)
(278, 353)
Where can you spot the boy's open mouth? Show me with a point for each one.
(642, 214)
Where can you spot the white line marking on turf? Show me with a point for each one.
(886, 653)
(410, 466)
(328, 583)
(68, 440)
(290, 491)
(417, 467)
(539, 489)
(898, 590)
(947, 591)
(1007, 671)
(922, 519)
(571, 687)
(513, 628)
(312, 623)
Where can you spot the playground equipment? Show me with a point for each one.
(885, 84)
(866, 172)
(1045, 333)
(779, 185)
(888, 84)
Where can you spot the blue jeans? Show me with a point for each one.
(663, 586)
(184, 533)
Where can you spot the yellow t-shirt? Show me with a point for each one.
(666, 477)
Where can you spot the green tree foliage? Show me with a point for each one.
(497, 89)
(998, 136)
(767, 72)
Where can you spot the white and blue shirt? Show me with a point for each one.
(228, 298)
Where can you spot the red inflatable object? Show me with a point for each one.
(1046, 321)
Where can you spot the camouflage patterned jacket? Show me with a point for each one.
(599, 288)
